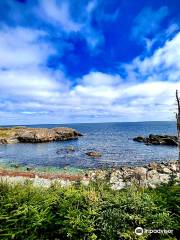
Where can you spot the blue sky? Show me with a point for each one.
(64, 61)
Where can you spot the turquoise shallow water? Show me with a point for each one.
(113, 140)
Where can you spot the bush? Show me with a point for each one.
(93, 212)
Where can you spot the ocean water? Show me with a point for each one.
(113, 140)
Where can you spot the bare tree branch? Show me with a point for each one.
(178, 125)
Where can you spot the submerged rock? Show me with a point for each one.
(37, 135)
(94, 154)
(70, 149)
(15, 165)
(29, 168)
(158, 140)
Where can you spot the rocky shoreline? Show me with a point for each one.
(36, 135)
(150, 175)
(157, 140)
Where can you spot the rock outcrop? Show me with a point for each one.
(36, 135)
(150, 175)
(158, 140)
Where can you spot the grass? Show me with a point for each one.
(92, 212)
(6, 133)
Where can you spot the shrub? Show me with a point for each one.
(93, 212)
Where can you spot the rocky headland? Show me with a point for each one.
(158, 140)
(36, 135)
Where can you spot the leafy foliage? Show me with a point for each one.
(93, 212)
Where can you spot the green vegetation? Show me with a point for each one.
(92, 212)
(6, 133)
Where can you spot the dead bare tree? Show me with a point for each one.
(178, 125)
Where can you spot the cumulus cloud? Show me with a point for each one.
(25, 81)
(162, 65)
(151, 89)
(33, 93)
(97, 96)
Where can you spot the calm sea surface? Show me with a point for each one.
(113, 140)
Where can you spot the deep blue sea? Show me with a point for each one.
(113, 140)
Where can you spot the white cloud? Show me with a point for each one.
(149, 95)
(151, 29)
(91, 6)
(96, 79)
(23, 72)
(173, 28)
(33, 85)
(148, 21)
(58, 13)
(31, 93)
(20, 47)
(164, 58)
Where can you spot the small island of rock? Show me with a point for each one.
(36, 135)
(158, 140)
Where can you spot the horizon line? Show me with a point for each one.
(2, 125)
